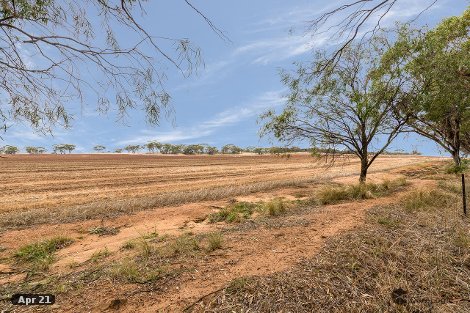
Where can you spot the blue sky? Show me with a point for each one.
(240, 80)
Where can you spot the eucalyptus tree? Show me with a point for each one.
(30, 150)
(153, 146)
(58, 148)
(211, 150)
(342, 106)
(9, 149)
(40, 150)
(231, 149)
(176, 149)
(99, 148)
(69, 147)
(355, 20)
(166, 148)
(436, 66)
(55, 52)
(132, 148)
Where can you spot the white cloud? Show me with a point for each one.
(223, 119)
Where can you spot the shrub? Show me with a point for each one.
(234, 213)
(130, 271)
(331, 195)
(185, 244)
(275, 207)
(214, 241)
(456, 169)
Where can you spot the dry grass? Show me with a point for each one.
(331, 195)
(214, 241)
(21, 219)
(40, 255)
(75, 188)
(412, 256)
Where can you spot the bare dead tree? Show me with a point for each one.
(59, 52)
(352, 25)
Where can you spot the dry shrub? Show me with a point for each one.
(274, 207)
(335, 194)
(214, 241)
(401, 260)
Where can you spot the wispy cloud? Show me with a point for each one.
(280, 48)
(206, 128)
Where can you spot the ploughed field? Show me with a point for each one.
(62, 181)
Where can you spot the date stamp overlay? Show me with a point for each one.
(32, 299)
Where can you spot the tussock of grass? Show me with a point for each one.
(239, 211)
(453, 187)
(274, 207)
(99, 255)
(183, 245)
(233, 213)
(331, 195)
(238, 284)
(399, 261)
(130, 271)
(40, 255)
(129, 245)
(427, 199)
(214, 241)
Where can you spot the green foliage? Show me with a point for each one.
(340, 105)
(99, 148)
(457, 169)
(41, 254)
(62, 148)
(233, 213)
(435, 64)
(35, 150)
(132, 148)
(231, 149)
(9, 150)
(210, 150)
(25, 9)
(99, 255)
(153, 146)
(193, 149)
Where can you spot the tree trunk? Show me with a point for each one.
(363, 175)
(457, 159)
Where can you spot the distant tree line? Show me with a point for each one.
(189, 149)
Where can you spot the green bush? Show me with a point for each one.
(234, 213)
(41, 254)
(455, 169)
